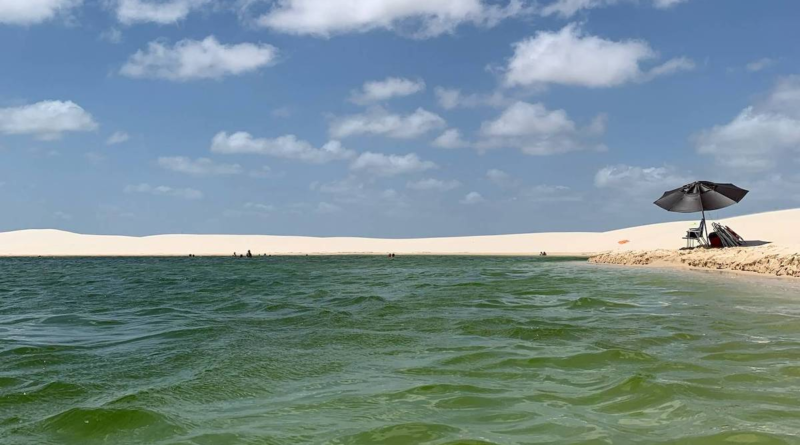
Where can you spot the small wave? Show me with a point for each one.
(79, 320)
(595, 303)
(443, 389)
(405, 433)
(49, 392)
(589, 360)
(738, 437)
(105, 422)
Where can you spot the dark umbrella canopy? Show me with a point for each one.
(701, 196)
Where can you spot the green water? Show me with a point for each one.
(406, 351)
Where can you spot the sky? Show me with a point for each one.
(390, 118)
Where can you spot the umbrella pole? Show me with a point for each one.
(703, 225)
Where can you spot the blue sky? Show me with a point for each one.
(390, 118)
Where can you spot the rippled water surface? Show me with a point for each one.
(358, 350)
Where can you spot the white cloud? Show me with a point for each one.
(568, 8)
(501, 178)
(664, 4)
(568, 57)
(757, 138)
(450, 139)
(670, 67)
(379, 122)
(535, 130)
(111, 35)
(432, 184)
(378, 164)
(472, 198)
(452, 98)
(258, 207)
(94, 158)
(282, 112)
(633, 180)
(160, 12)
(526, 119)
(426, 18)
(193, 59)
(161, 190)
(349, 190)
(548, 193)
(30, 12)
(47, 120)
(265, 172)
(381, 90)
(287, 147)
(198, 167)
(760, 64)
(118, 137)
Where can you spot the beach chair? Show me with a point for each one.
(695, 235)
(728, 237)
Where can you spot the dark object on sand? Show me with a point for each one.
(700, 196)
(725, 237)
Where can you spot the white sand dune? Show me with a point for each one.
(781, 229)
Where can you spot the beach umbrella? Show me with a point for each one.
(700, 196)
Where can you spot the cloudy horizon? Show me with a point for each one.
(402, 118)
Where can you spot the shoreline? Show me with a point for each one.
(764, 261)
(774, 235)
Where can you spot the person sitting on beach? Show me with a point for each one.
(249, 255)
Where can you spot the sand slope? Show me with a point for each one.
(781, 228)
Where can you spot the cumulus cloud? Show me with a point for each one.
(569, 57)
(452, 98)
(382, 123)
(472, 198)
(198, 167)
(161, 12)
(118, 137)
(536, 130)
(501, 178)
(378, 164)
(381, 90)
(349, 190)
(630, 179)
(664, 4)
(568, 8)
(112, 35)
(259, 209)
(544, 193)
(450, 139)
(286, 147)
(760, 64)
(31, 12)
(432, 184)
(758, 137)
(420, 18)
(46, 120)
(162, 190)
(193, 59)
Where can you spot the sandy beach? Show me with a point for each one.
(774, 237)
